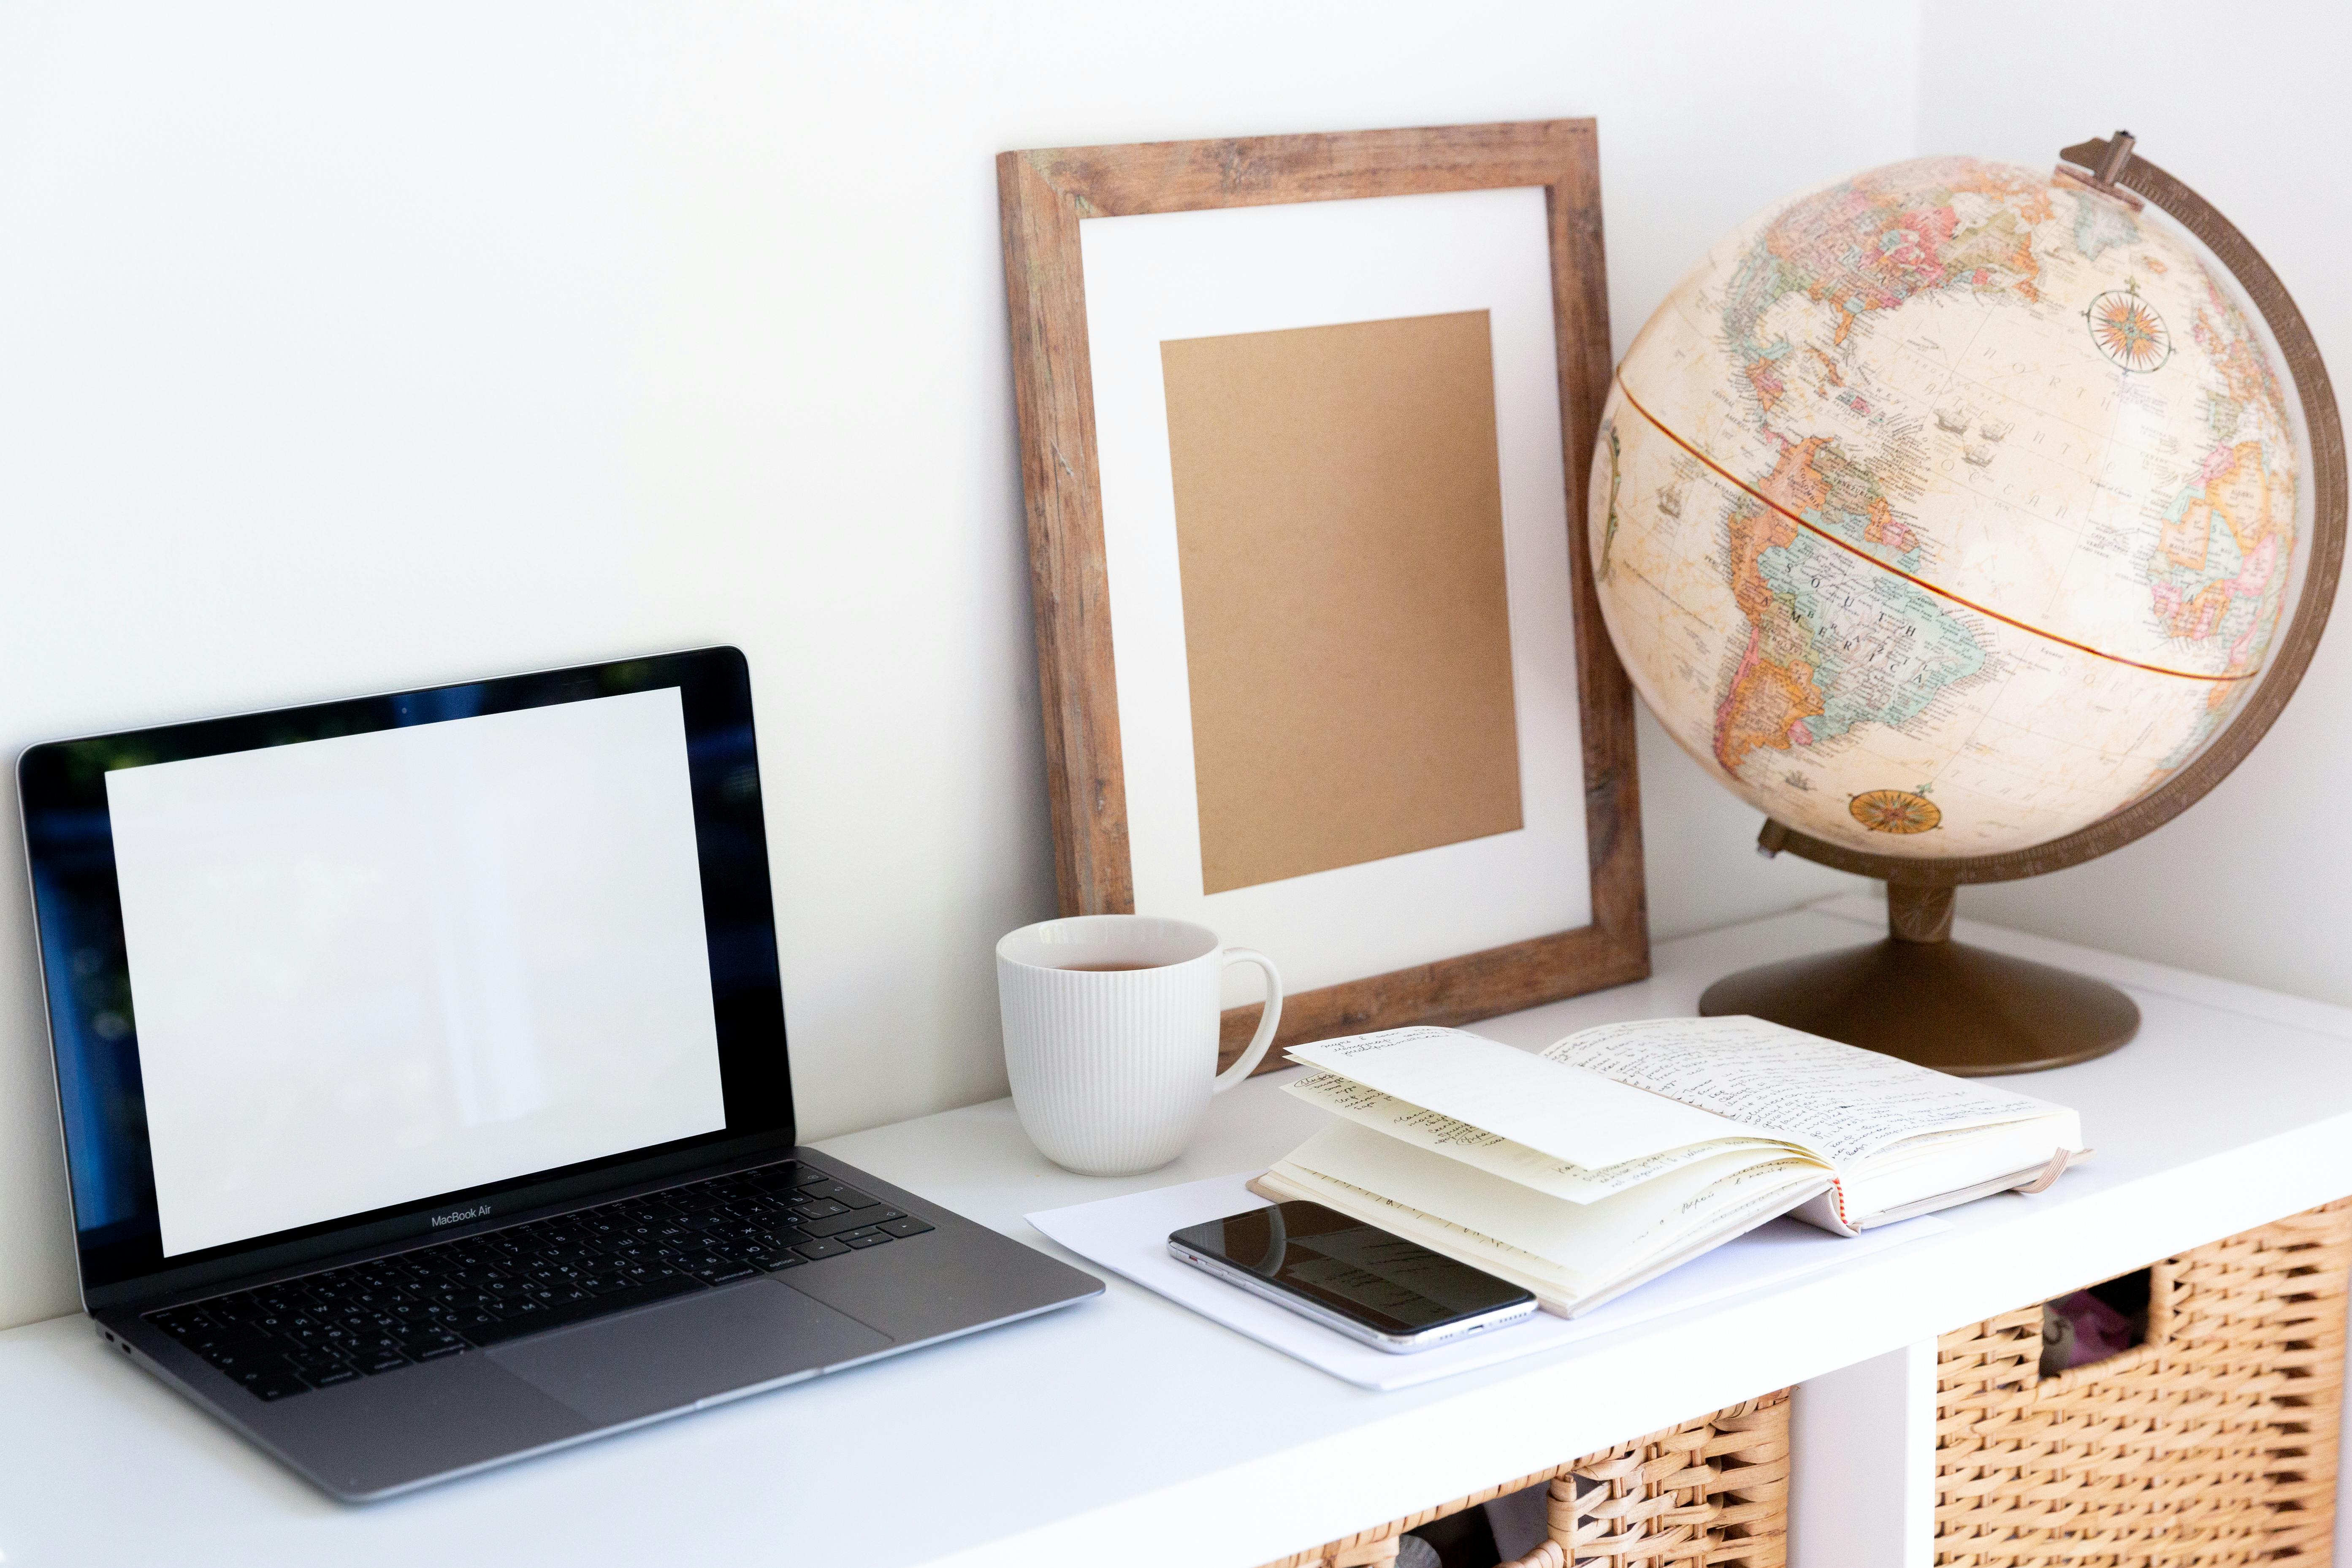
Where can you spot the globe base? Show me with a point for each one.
(1927, 999)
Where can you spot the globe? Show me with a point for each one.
(1948, 510)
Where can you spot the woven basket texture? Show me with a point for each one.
(1710, 1493)
(2212, 1443)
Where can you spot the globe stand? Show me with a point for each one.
(1923, 997)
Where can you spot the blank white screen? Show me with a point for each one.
(371, 969)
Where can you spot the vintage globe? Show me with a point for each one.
(1948, 510)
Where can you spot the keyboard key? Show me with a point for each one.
(814, 1250)
(871, 1238)
(786, 1259)
(260, 1370)
(903, 1227)
(856, 1235)
(277, 1385)
(383, 1361)
(243, 1356)
(329, 1379)
(179, 1321)
(218, 1336)
(820, 1208)
(848, 1219)
(840, 1193)
(312, 1366)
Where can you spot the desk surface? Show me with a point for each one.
(1129, 1426)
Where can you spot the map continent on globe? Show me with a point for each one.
(1946, 510)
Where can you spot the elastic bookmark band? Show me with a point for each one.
(2050, 1173)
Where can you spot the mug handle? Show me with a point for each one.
(1268, 1021)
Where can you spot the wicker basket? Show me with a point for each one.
(2212, 1443)
(1713, 1491)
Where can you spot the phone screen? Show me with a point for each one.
(1384, 1281)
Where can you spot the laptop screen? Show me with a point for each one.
(349, 961)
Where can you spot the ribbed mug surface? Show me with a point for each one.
(1111, 1070)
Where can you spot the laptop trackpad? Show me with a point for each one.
(666, 1357)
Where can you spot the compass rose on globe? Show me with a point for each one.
(2128, 331)
(1968, 522)
(1895, 811)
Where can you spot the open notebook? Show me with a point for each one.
(1584, 1170)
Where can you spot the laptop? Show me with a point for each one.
(420, 1061)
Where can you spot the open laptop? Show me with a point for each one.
(421, 1062)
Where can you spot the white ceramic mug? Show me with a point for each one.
(1110, 1035)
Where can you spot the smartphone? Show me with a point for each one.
(1393, 1294)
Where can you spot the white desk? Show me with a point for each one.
(1128, 1430)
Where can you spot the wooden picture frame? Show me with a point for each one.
(1044, 196)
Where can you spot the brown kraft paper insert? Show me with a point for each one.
(1339, 530)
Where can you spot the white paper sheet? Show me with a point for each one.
(1128, 1235)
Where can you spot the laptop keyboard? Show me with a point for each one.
(371, 1319)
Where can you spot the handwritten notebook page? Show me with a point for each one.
(1849, 1103)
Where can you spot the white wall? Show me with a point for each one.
(2256, 882)
(355, 347)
